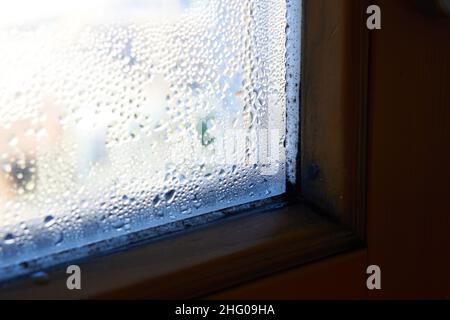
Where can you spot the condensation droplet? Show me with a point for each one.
(49, 221)
(169, 196)
(156, 200)
(9, 239)
(40, 278)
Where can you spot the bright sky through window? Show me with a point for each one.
(117, 116)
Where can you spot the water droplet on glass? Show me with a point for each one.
(169, 196)
(40, 278)
(9, 239)
(49, 221)
(156, 200)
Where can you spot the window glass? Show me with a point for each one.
(121, 115)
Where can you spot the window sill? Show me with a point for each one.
(202, 260)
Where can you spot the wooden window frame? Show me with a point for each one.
(324, 215)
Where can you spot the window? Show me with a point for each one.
(242, 242)
(121, 116)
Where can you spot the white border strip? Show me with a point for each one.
(293, 71)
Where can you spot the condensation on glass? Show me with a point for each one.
(118, 116)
